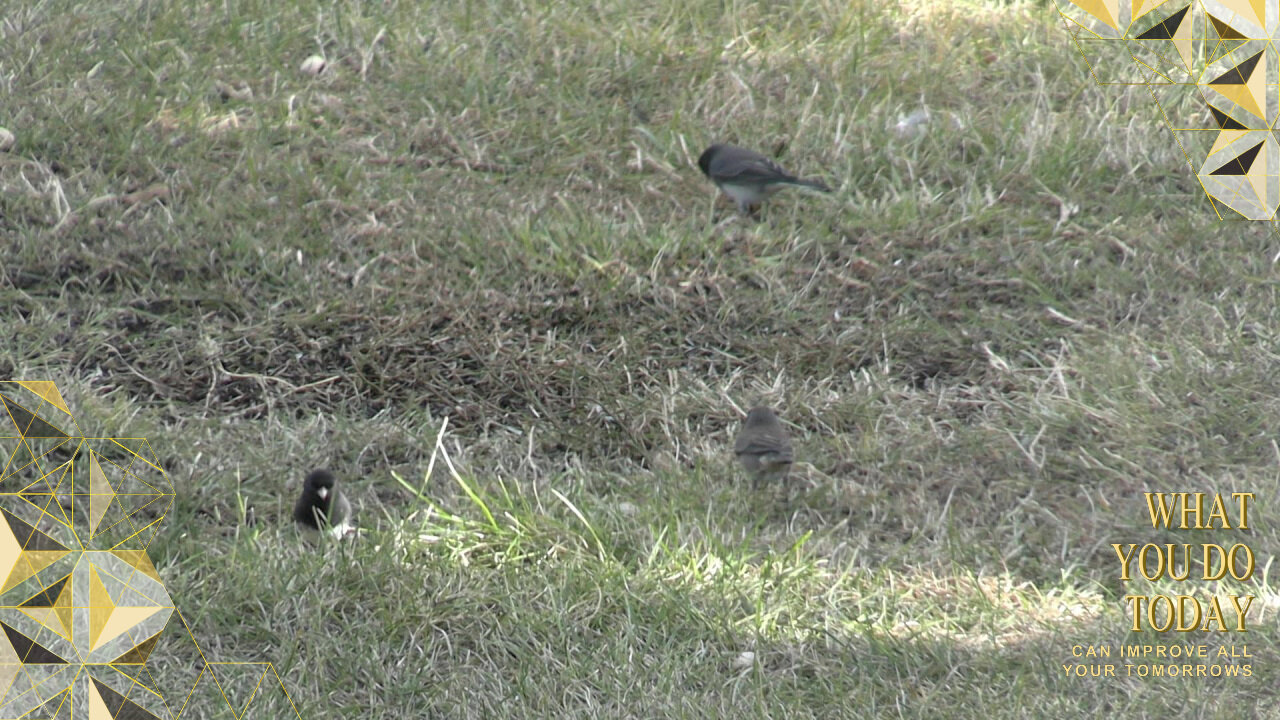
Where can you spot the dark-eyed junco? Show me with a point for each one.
(747, 176)
(763, 447)
(322, 505)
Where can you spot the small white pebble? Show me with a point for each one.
(7, 139)
(329, 101)
(744, 661)
(313, 65)
(627, 508)
(912, 125)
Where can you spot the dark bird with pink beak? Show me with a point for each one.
(322, 506)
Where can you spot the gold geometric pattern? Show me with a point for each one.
(1215, 60)
(82, 607)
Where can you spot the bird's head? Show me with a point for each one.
(761, 415)
(321, 482)
(704, 160)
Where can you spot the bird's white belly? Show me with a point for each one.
(743, 195)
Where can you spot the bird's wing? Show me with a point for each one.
(762, 444)
(342, 514)
(755, 169)
(782, 457)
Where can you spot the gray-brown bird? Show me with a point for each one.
(763, 447)
(322, 506)
(748, 177)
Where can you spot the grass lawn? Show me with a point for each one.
(473, 269)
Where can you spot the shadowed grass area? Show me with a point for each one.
(994, 336)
